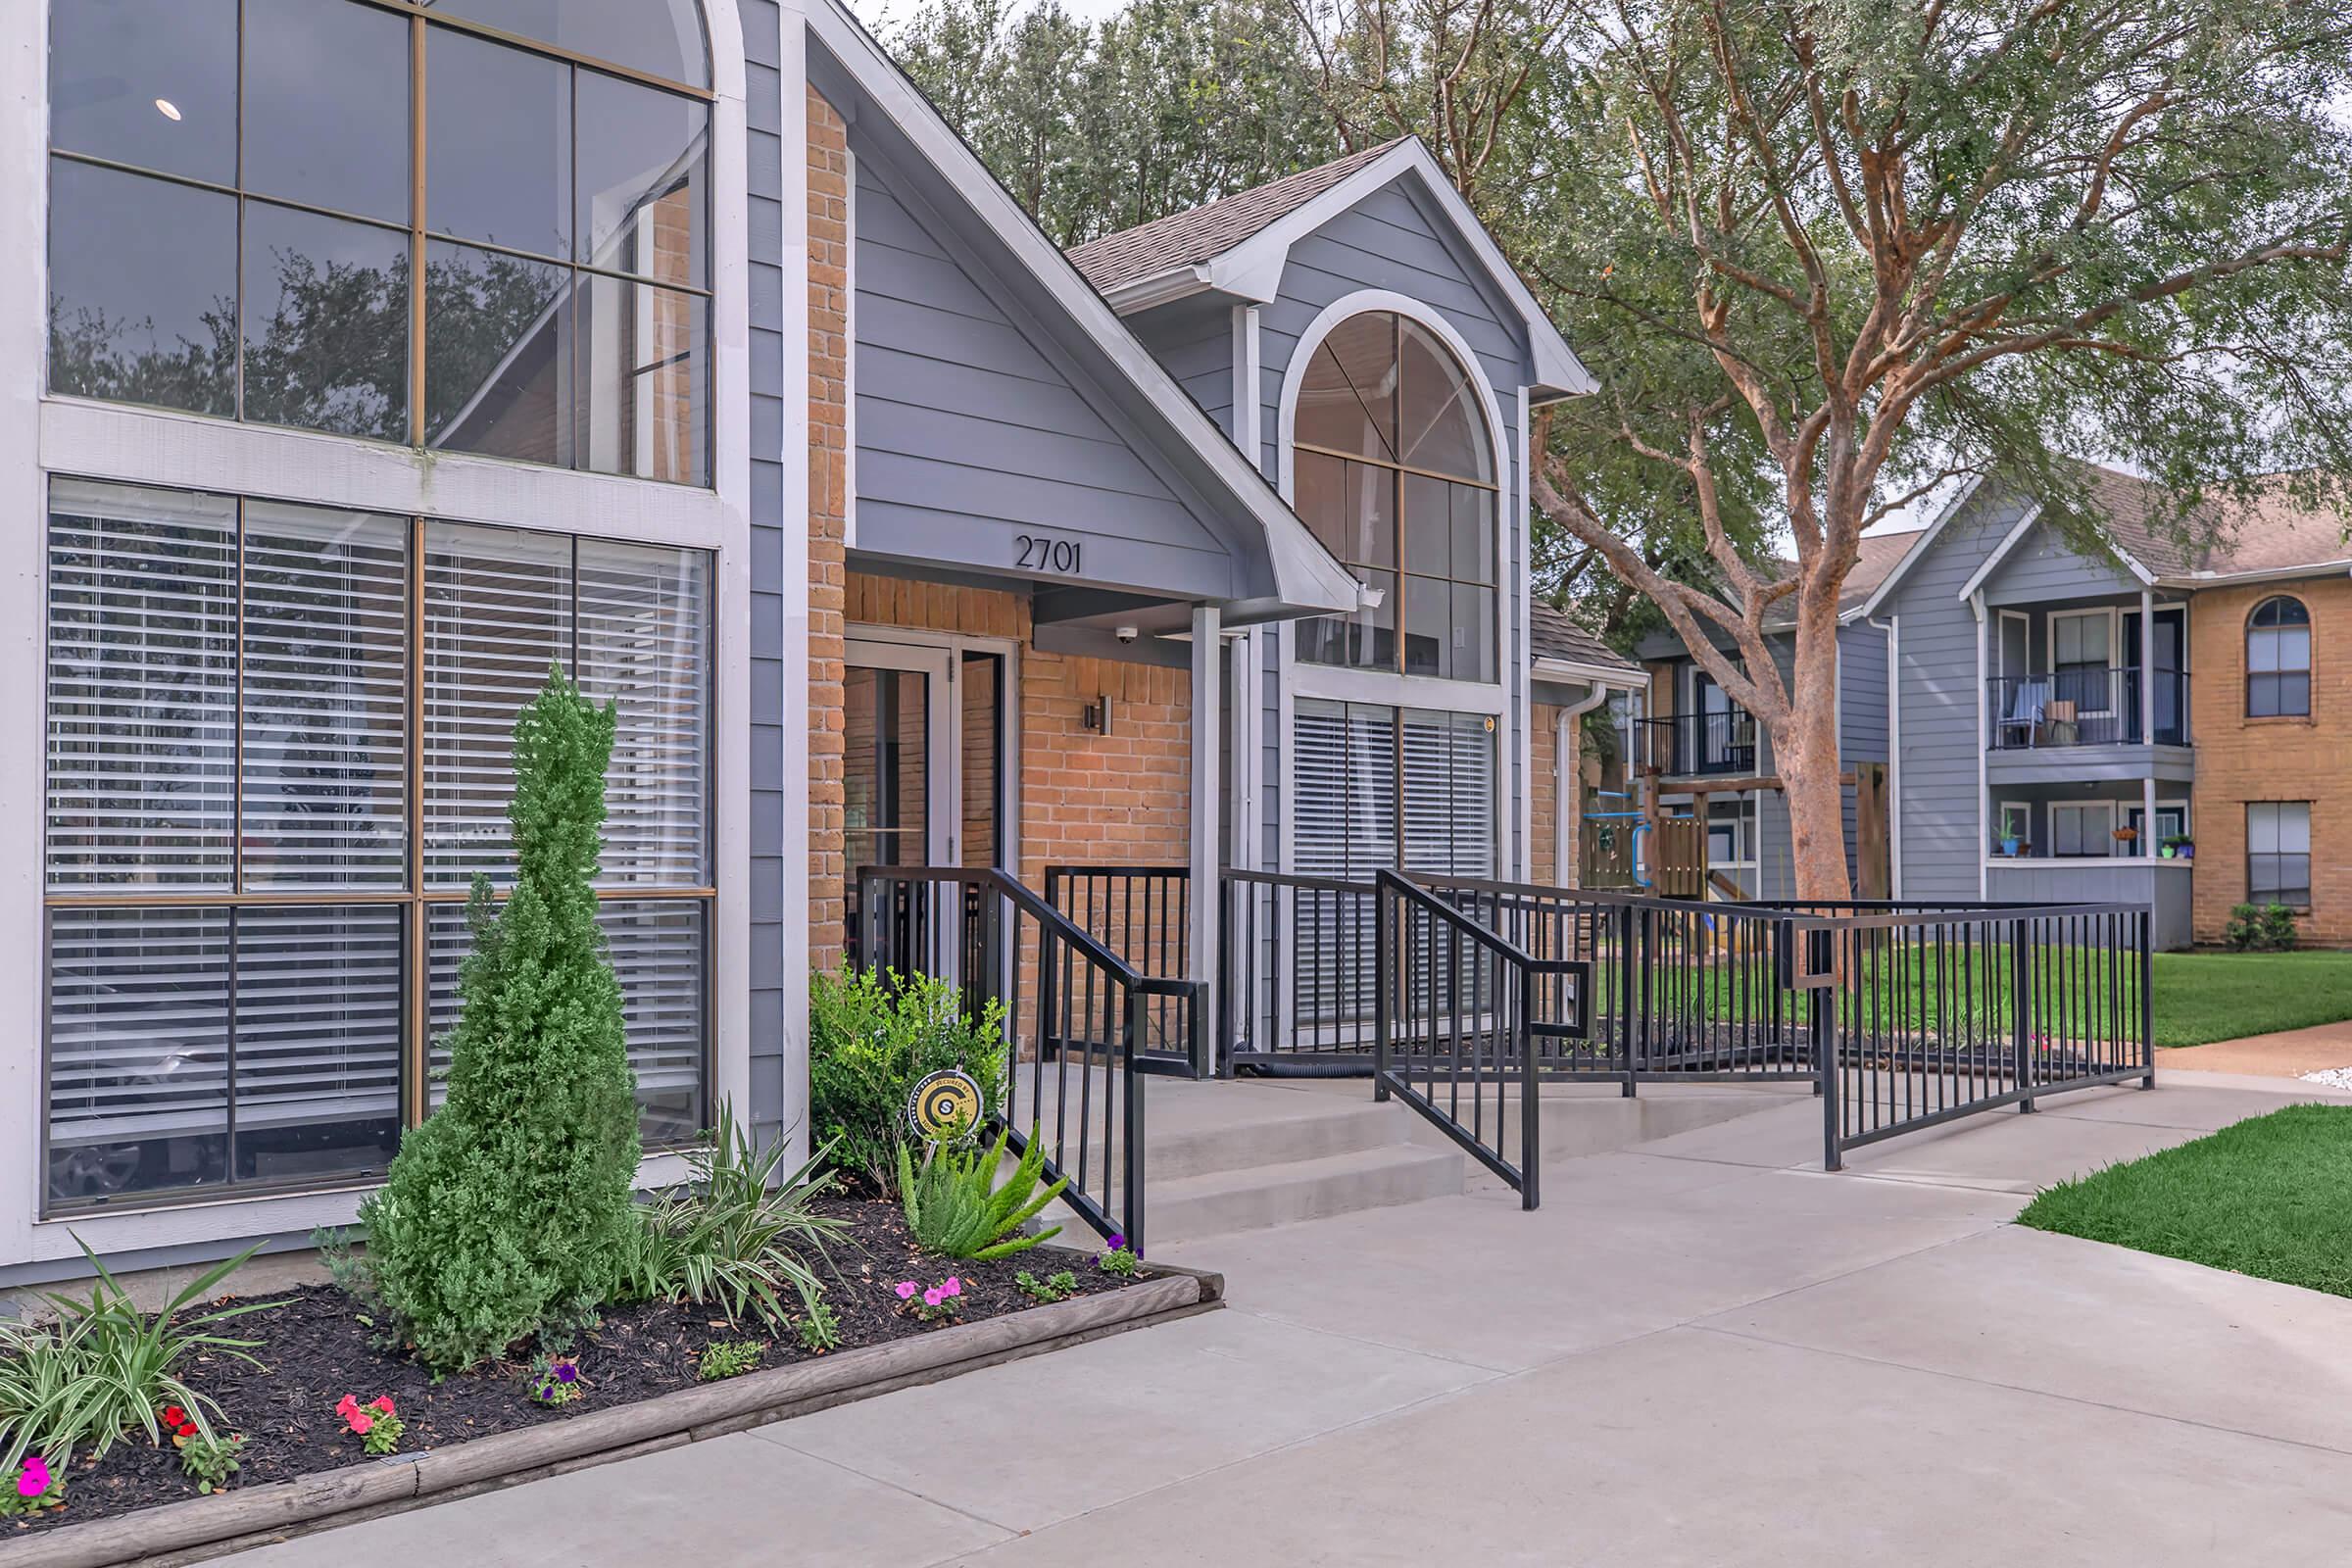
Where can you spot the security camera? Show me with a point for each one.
(1125, 634)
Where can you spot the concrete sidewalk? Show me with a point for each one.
(1705, 1352)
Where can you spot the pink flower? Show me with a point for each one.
(931, 1296)
(362, 1422)
(906, 1289)
(952, 1289)
(346, 1404)
(34, 1479)
(383, 1405)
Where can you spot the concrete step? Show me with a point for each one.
(1220, 1203)
(1197, 1129)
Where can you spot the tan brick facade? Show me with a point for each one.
(2241, 759)
(1543, 795)
(828, 488)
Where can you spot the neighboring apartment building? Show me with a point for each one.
(2167, 726)
(1707, 758)
(682, 344)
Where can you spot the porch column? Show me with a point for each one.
(1208, 832)
(2148, 719)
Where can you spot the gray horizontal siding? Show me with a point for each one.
(1936, 778)
(971, 433)
(1193, 341)
(2042, 568)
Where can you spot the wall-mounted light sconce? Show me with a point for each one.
(1095, 715)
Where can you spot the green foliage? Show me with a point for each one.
(2266, 1196)
(736, 1235)
(2261, 928)
(873, 1037)
(1118, 1261)
(819, 1328)
(956, 1208)
(104, 1366)
(556, 1380)
(15, 1504)
(212, 1460)
(510, 1211)
(1053, 1288)
(728, 1359)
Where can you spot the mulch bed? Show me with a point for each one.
(313, 1350)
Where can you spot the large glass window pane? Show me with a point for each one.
(132, 318)
(1449, 800)
(497, 354)
(498, 607)
(1364, 639)
(317, 1027)
(1427, 640)
(644, 645)
(1428, 525)
(326, 323)
(326, 105)
(1440, 426)
(661, 37)
(326, 691)
(142, 687)
(1348, 399)
(152, 83)
(1345, 817)
(644, 161)
(658, 954)
(138, 1051)
(640, 369)
(1473, 533)
(1473, 633)
(498, 144)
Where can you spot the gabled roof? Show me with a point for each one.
(1238, 246)
(1307, 577)
(1189, 238)
(1551, 634)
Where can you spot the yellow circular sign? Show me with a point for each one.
(945, 1107)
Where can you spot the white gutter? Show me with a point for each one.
(1567, 832)
(2221, 579)
(1976, 605)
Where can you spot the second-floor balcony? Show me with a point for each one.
(1689, 745)
(2086, 707)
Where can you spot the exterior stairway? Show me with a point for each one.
(1245, 1154)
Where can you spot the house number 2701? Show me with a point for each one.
(1038, 552)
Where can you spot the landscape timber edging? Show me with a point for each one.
(708, 1409)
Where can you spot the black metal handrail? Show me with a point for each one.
(1072, 1014)
(2084, 707)
(1463, 1017)
(1143, 913)
(1295, 967)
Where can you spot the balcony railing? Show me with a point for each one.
(1690, 743)
(2083, 707)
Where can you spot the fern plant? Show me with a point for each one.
(956, 1208)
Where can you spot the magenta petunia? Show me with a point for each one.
(906, 1289)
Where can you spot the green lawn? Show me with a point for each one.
(2267, 1196)
(2203, 997)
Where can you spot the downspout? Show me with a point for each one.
(1984, 848)
(1567, 842)
(1892, 627)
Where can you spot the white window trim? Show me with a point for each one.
(2001, 821)
(41, 436)
(849, 354)
(2000, 646)
(1333, 683)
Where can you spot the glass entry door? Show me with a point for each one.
(899, 792)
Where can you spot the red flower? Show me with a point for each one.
(187, 1428)
(173, 1415)
(383, 1402)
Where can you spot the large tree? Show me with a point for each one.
(1825, 256)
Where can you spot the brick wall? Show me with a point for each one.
(1543, 795)
(2291, 759)
(828, 483)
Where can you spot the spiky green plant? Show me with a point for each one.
(956, 1208)
(510, 1211)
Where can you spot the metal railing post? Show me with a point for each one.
(1383, 977)
(1131, 1152)
(1531, 1101)
(1625, 1001)
(2020, 1011)
(1822, 1000)
(2146, 920)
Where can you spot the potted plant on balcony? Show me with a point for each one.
(2125, 835)
(2177, 845)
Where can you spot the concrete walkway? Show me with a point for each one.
(1700, 1353)
(2288, 1054)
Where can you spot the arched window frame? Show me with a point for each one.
(2275, 689)
(1507, 485)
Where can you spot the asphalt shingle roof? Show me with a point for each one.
(1551, 634)
(1203, 233)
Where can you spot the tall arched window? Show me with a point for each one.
(1393, 469)
(2279, 659)
(243, 194)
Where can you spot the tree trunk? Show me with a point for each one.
(1805, 756)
